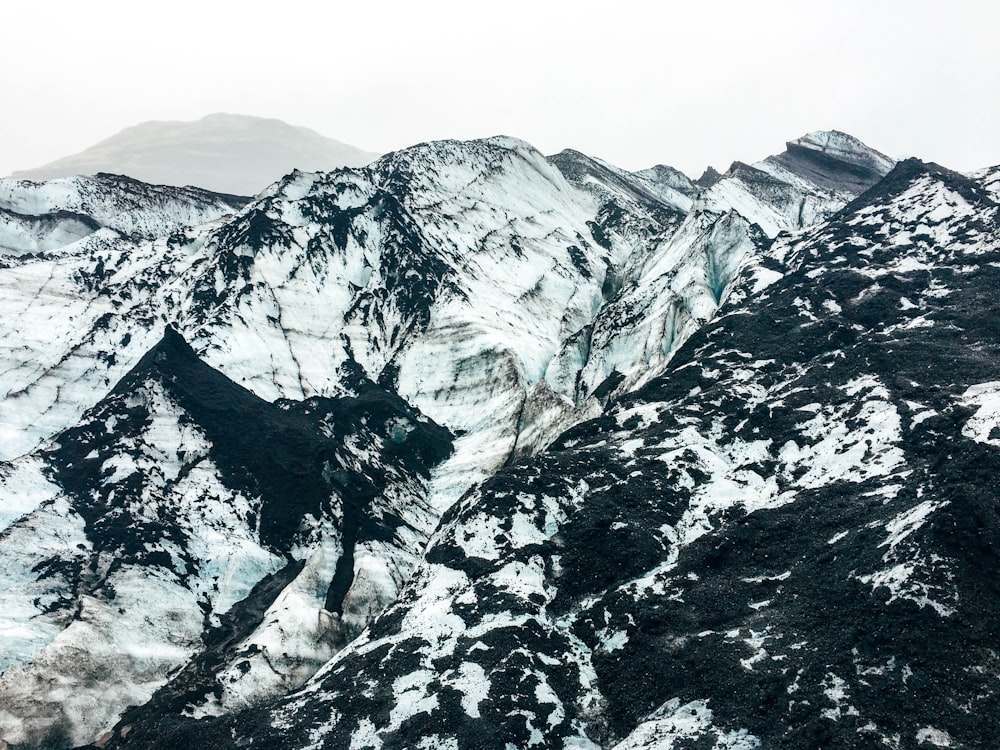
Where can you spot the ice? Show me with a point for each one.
(674, 725)
(23, 488)
(933, 736)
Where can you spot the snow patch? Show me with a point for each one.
(984, 425)
(675, 725)
(933, 736)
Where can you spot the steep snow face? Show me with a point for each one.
(227, 153)
(678, 280)
(391, 266)
(788, 539)
(48, 216)
(437, 271)
(187, 523)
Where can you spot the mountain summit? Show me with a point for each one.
(225, 153)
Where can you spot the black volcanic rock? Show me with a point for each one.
(282, 452)
(708, 178)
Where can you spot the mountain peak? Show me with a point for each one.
(708, 178)
(834, 160)
(842, 146)
(226, 153)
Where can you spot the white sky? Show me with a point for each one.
(637, 83)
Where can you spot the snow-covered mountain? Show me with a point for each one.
(472, 447)
(788, 539)
(226, 153)
(68, 215)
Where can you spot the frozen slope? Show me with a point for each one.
(185, 522)
(44, 217)
(324, 276)
(393, 265)
(676, 280)
(227, 153)
(787, 540)
(447, 253)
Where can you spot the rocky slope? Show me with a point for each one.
(273, 418)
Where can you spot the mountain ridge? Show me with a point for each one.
(649, 430)
(585, 597)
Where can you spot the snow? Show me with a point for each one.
(678, 288)
(411, 697)
(50, 530)
(843, 453)
(23, 488)
(295, 637)
(907, 522)
(932, 736)
(478, 537)
(846, 147)
(429, 615)
(521, 579)
(610, 641)
(921, 413)
(835, 691)
(124, 208)
(365, 736)
(675, 723)
(484, 355)
(474, 685)
(981, 426)
(154, 620)
(903, 582)
(109, 658)
(544, 694)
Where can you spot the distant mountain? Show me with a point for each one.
(225, 153)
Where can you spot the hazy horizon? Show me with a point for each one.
(643, 84)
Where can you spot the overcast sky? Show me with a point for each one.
(636, 83)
